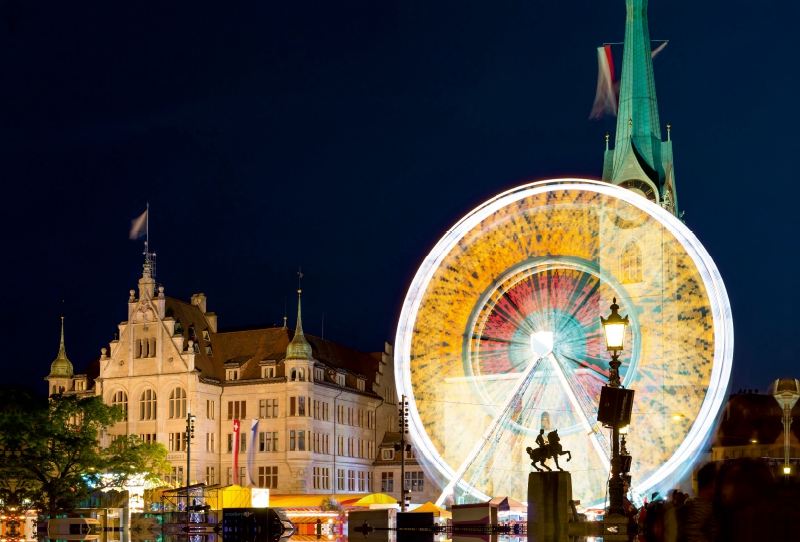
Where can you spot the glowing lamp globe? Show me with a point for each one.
(614, 329)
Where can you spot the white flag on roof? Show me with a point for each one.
(139, 226)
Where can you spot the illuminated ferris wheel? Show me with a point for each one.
(500, 336)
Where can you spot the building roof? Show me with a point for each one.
(753, 416)
(61, 366)
(247, 347)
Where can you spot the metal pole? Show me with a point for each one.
(616, 487)
(403, 424)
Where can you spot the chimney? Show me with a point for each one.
(199, 300)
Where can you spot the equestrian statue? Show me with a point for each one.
(547, 449)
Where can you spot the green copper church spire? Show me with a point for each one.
(640, 160)
(638, 107)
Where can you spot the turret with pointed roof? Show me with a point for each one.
(61, 367)
(299, 347)
(640, 160)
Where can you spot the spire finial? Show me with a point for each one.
(606, 140)
(669, 132)
(299, 347)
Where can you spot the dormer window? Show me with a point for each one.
(192, 334)
(232, 374)
(361, 384)
(388, 454)
(206, 335)
(208, 351)
(340, 379)
(319, 374)
(178, 328)
(268, 372)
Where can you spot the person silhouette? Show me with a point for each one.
(540, 439)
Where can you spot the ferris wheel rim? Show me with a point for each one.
(709, 273)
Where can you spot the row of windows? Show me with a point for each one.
(144, 348)
(266, 477)
(388, 454)
(365, 480)
(302, 440)
(148, 404)
(415, 481)
(295, 374)
(299, 406)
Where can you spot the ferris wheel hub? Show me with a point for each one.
(542, 343)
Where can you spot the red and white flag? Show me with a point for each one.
(236, 452)
(605, 101)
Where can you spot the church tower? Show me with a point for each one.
(640, 160)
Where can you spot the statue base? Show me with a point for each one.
(549, 511)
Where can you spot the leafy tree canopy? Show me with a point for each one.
(52, 453)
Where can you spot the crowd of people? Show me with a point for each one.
(736, 501)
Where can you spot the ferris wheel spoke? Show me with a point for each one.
(578, 408)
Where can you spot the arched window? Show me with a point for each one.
(177, 403)
(301, 374)
(294, 374)
(631, 263)
(545, 421)
(152, 349)
(120, 398)
(54, 389)
(147, 405)
(137, 348)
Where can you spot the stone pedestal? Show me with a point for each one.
(549, 511)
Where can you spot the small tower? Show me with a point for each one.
(299, 349)
(61, 370)
(786, 392)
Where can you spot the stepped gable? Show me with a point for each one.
(191, 316)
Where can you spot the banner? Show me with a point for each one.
(236, 452)
(251, 454)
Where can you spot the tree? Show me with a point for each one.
(53, 451)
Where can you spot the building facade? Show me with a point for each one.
(321, 408)
(419, 488)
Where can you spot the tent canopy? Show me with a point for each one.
(437, 512)
(507, 504)
(374, 498)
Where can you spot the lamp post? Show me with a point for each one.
(402, 445)
(189, 436)
(614, 331)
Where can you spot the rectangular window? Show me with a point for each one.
(292, 405)
(387, 454)
(370, 482)
(237, 410)
(361, 481)
(340, 479)
(341, 445)
(316, 410)
(301, 406)
(148, 438)
(268, 477)
(268, 372)
(326, 478)
(371, 450)
(230, 475)
(387, 481)
(242, 442)
(230, 443)
(211, 478)
(292, 440)
(414, 481)
(350, 418)
(232, 374)
(325, 412)
(268, 408)
(209, 442)
(177, 442)
(351, 480)
(360, 418)
(262, 408)
(360, 448)
(350, 447)
(340, 414)
(301, 440)
(210, 410)
(326, 445)
(317, 478)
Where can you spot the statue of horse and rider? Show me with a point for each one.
(547, 450)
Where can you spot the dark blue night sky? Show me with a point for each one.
(347, 137)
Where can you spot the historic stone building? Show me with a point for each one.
(420, 489)
(322, 408)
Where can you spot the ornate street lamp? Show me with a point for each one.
(614, 330)
(615, 408)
